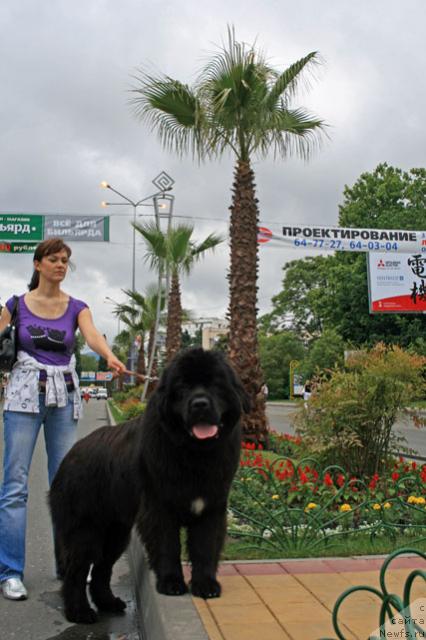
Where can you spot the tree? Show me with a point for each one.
(324, 354)
(276, 353)
(301, 300)
(175, 250)
(140, 317)
(88, 362)
(240, 104)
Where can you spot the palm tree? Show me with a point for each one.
(139, 315)
(132, 316)
(239, 103)
(176, 251)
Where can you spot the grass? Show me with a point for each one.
(354, 545)
(116, 413)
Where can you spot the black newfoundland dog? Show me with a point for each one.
(171, 469)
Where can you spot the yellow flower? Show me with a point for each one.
(346, 507)
(387, 505)
(310, 506)
(275, 496)
(420, 500)
(412, 500)
(376, 506)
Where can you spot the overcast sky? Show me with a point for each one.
(66, 124)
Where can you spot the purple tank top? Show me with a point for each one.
(48, 341)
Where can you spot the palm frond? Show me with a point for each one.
(208, 243)
(173, 109)
(290, 132)
(288, 82)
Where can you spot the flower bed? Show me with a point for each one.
(278, 503)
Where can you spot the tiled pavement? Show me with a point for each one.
(294, 599)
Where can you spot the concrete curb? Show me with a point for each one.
(161, 617)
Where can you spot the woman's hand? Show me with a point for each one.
(115, 364)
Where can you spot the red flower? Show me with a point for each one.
(340, 480)
(303, 477)
(395, 476)
(328, 480)
(414, 465)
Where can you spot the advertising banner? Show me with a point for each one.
(17, 247)
(397, 284)
(21, 227)
(345, 239)
(104, 376)
(81, 228)
(88, 375)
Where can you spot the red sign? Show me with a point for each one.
(104, 376)
(263, 235)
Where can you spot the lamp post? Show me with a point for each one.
(160, 201)
(108, 299)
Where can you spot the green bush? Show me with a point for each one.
(134, 410)
(348, 420)
(134, 392)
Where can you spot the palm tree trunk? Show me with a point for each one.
(174, 319)
(243, 344)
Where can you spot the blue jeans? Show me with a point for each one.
(20, 436)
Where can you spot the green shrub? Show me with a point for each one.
(133, 410)
(348, 420)
(134, 392)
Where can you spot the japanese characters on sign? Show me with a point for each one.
(397, 284)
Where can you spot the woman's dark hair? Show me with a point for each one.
(46, 248)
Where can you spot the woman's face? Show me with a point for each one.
(54, 266)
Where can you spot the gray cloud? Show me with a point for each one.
(67, 125)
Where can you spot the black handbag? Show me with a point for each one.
(8, 341)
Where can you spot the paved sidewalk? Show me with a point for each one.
(294, 599)
(41, 616)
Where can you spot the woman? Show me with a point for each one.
(43, 389)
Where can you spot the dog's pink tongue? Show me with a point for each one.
(204, 431)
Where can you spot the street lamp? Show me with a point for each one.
(160, 199)
(114, 302)
(163, 206)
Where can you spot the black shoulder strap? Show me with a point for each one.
(14, 314)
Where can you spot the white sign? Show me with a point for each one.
(397, 284)
(347, 239)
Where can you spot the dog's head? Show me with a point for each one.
(200, 397)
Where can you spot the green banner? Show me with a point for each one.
(17, 247)
(21, 227)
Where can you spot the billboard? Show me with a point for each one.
(88, 375)
(344, 239)
(17, 231)
(397, 283)
(104, 376)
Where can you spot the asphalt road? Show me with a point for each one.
(40, 617)
(281, 419)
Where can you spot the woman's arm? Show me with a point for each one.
(97, 342)
(4, 318)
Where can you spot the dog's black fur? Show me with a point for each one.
(159, 471)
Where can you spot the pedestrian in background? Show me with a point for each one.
(43, 388)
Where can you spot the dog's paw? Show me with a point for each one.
(112, 605)
(171, 586)
(81, 616)
(206, 588)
